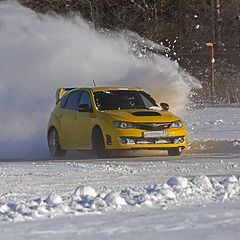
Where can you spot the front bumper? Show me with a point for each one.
(134, 139)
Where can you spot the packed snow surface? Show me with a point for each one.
(217, 123)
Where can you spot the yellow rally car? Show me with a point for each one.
(110, 118)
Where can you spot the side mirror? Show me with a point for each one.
(164, 106)
(84, 108)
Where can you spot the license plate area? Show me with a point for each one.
(155, 134)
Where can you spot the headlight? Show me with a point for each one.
(119, 124)
(177, 124)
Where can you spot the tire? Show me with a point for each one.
(175, 152)
(54, 145)
(98, 144)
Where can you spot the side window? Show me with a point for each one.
(85, 99)
(148, 100)
(64, 100)
(72, 102)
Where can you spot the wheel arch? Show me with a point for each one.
(94, 130)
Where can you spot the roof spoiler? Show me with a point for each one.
(61, 90)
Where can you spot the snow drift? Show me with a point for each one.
(178, 191)
(40, 53)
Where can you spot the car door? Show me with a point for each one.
(69, 118)
(83, 121)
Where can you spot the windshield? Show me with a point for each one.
(123, 99)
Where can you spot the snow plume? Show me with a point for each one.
(40, 53)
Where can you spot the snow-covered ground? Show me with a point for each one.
(194, 196)
(214, 123)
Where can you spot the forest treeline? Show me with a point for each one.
(185, 26)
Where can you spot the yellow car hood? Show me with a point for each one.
(140, 115)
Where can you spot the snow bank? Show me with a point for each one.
(178, 191)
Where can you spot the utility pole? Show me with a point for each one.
(212, 71)
(213, 21)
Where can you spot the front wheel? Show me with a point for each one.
(175, 151)
(98, 144)
(54, 145)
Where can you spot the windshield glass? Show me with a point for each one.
(123, 99)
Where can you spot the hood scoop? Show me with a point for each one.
(146, 113)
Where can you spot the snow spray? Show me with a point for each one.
(40, 53)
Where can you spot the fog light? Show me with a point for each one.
(109, 140)
(179, 140)
(123, 140)
(182, 139)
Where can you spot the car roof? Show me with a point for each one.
(111, 88)
(66, 91)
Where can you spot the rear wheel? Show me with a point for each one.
(98, 144)
(54, 145)
(175, 151)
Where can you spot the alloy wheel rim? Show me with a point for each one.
(53, 141)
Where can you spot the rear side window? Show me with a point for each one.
(73, 100)
(64, 100)
(85, 99)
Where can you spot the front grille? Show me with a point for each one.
(141, 140)
(152, 126)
